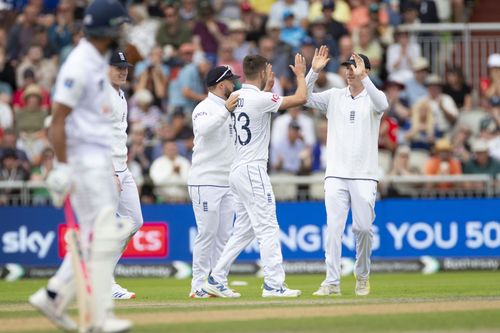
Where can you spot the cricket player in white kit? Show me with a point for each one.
(80, 134)
(208, 181)
(254, 198)
(351, 176)
(129, 204)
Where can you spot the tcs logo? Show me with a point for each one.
(151, 241)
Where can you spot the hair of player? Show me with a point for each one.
(253, 65)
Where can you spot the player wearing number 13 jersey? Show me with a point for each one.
(254, 198)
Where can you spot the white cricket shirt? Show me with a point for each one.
(119, 132)
(252, 124)
(353, 128)
(213, 150)
(83, 85)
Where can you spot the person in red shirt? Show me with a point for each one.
(18, 101)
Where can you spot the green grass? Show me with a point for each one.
(169, 296)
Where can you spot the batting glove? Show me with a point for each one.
(59, 183)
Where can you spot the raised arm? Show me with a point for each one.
(317, 101)
(377, 96)
(205, 123)
(300, 96)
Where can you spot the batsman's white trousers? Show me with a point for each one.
(214, 213)
(255, 217)
(93, 192)
(340, 195)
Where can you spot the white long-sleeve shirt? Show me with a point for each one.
(119, 131)
(213, 150)
(353, 128)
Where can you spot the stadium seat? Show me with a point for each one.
(418, 157)
(471, 119)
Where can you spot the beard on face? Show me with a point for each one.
(227, 92)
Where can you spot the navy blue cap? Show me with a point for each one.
(328, 4)
(219, 74)
(352, 62)
(118, 59)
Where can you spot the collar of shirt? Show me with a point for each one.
(92, 51)
(249, 86)
(361, 94)
(216, 98)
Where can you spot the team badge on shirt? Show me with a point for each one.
(275, 98)
(68, 83)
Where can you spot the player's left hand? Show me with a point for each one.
(232, 102)
(299, 69)
(270, 78)
(59, 183)
(359, 69)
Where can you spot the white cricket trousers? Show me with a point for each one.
(94, 191)
(340, 195)
(255, 218)
(129, 206)
(214, 213)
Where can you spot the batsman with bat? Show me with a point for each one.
(81, 136)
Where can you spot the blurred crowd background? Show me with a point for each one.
(432, 126)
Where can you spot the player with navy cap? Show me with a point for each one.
(208, 181)
(80, 134)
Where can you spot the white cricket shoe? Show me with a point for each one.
(215, 288)
(47, 306)
(200, 293)
(115, 325)
(119, 292)
(362, 287)
(328, 290)
(281, 292)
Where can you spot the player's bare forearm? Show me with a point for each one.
(57, 132)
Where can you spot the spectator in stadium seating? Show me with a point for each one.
(189, 88)
(171, 167)
(226, 9)
(281, 123)
(60, 34)
(307, 48)
(280, 55)
(7, 72)
(21, 34)
(400, 55)
(238, 34)
(410, 11)
(226, 58)
(182, 134)
(335, 28)
(39, 173)
(327, 80)
(460, 142)
(443, 107)
(188, 11)
(144, 113)
(481, 162)
(319, 148)
(379, 23)
(138, 151)
(359, 16)
(491, 86)
(398, 106)
(253, 20)
(299, 8)
(346, 48)
(77, 34)
(443, 162)
(415, 87)
(427, 11)
(151, 74)
(31, 117)
(292, 155)
(172, 31)
(142, 33)
(401, 163)
(208, 33)
(321, 36)
(388, 133)
(458, 89)
(422, 132)
(11, 170)
(490, 127)
(45, 69)
(370, 47)
(291, 33)
(9, 142)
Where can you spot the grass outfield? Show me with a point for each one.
(445, 302)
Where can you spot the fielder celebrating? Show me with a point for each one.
(129, 204)
(208, 181)
(80, 135)
(354, 115)
(254, 198)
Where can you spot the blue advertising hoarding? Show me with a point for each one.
(404, 229)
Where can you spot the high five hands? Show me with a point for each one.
(359, 69)
(299, 69)
(320, 58)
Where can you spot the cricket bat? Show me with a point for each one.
(80, 269)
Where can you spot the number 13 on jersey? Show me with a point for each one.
(241, 125)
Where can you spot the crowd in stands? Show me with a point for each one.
(173, 44)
